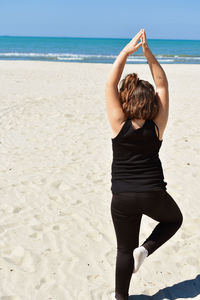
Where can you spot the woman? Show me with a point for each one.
(138, 116)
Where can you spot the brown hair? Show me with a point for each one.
(138, 98)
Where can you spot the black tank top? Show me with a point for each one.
(136, 166)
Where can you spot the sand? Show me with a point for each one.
(57, 239)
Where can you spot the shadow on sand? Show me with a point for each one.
(185, 289)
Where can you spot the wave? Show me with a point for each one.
(49, 55)
(179, 56)
(144, 59)
(170, 58)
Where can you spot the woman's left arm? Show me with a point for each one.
(117, 68)
(118, 65)
(113, 105)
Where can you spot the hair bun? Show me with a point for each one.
(135, 79)
(130, 82)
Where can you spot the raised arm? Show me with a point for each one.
(161, 83)
(114, 109)
(119, 63)
(157, 71)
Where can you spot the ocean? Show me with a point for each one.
(95, 50)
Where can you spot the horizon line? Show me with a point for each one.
(45, 36)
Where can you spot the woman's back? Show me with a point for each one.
(136, 165)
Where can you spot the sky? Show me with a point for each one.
(167, 19)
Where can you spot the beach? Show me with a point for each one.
(57, 237)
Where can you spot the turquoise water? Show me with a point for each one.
(95, 50)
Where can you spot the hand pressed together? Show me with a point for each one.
(134, 44)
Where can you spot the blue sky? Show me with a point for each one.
(177, 19)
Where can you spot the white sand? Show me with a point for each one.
(57, 239)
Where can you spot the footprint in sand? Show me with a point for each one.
(22, 258)
(95, 236)
(42, 281)
(54, 292)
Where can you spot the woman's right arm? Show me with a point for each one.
(161, 83)
(157, 71)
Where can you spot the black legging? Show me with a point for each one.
(126, 211)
